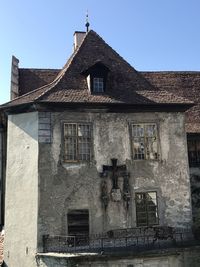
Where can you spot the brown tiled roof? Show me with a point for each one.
(185, 84)
(124, 84)
(31, 79)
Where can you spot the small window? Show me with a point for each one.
(144, 141)
(77, 140)
(98, 85)
(78, 222)
(194, 152)
(146, 208)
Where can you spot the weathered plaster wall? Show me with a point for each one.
(21, 190)
(187, 258)
(65, 186)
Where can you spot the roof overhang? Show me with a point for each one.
(95, 107)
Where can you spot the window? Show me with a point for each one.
(77, 140)
(146, 208)
(78, 222)
(144, 141)
(98, 85)
(194, 151)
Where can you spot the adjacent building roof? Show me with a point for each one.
(31, 79)
(124, 84)
(182, 83)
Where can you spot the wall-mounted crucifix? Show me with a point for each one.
(115, 170)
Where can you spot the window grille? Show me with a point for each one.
(98, 85)
(146, 208)
(144, 141)
(77, 139)
(194, 152)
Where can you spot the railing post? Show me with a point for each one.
(44, 240)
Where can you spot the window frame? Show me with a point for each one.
(144, 123)
(193, 138)
(97, 90)
(146, 209)
(77, 160)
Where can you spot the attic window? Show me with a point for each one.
(96, 76)
(98, 85)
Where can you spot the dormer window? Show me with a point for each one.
(98, 85)
(96, 77)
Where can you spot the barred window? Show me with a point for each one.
(144, 141)
(194, 151)
(98, 85)
(146, 208)
(77, 140)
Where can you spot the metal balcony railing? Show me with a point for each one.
(130, 239)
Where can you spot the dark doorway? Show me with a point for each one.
(78, 223)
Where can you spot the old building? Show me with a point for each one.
(100, 169)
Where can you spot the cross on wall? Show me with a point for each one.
(115, 170)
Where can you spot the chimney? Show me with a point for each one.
(78, 38)
(14, 88)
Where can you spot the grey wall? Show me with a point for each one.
(21, 190)
(65, 186)
(185, 258)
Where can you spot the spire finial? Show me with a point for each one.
(87, 24)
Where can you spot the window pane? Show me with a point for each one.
(98, 85)
(70, 129)
(146, 208)
(77, 141)
(144, 141)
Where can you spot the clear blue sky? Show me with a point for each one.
(149, 34)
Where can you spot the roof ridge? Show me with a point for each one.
(40, 69)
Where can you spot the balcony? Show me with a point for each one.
(130, 239)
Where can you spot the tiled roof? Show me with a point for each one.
(31, 79)
(185, 84)
(124, 84)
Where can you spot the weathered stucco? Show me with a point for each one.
(177, 258)
(65, 186)
(21, 191)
